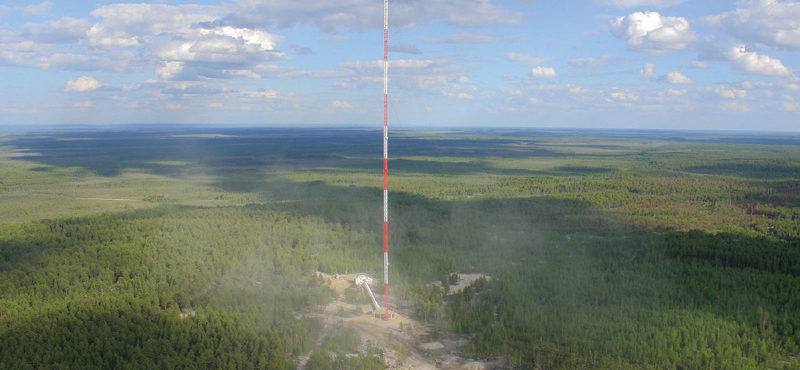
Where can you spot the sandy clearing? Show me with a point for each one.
(407, 343)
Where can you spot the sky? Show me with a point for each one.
(641, 64)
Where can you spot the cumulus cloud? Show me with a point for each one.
(791, 106)
(172, 41)
(340, 104)
(543, 72)
(260, 94)
(675, 77)
(755, 63)
(529, 59)
(633, 3)
(577, 90)
(362, 15)
(737, 106)
(623, 96)
(83, 84)
(652, 32)
(648, 71)
(412, 74)
(171, 70)
(730, 93)
(131, 25)
(593, 63)
(769, 22)
(192, 88)
(40, 9)
(464, 38)
(66, 30)
(233, 47)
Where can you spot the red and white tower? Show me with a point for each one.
(386, 158)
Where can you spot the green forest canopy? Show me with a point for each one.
(195, 248)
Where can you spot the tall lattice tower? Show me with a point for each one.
(386, 158)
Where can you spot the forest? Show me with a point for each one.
(198, 247)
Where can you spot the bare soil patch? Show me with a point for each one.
(407, 343)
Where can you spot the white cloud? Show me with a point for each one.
(727, 93)
(673, 77)
(755, 63)
(65, 30)
(534, 100)
(652, 32)
(170, 70)
(40, 9)
(769, 22)
(577, 90)
(633, 3)
(175, 42)
(132, 25)
(676, 77)
(48, 57)
(544, 72)
(84, 104)
(675, 92)
(340, 104)
(260, 94)
(791, 106)
(648, 71)
(699, 65)
(83, 84)
(410, 74)
(619, 95)
(464, 38)
(593, 63)
(362, 15)
(737, 106)
(529, 59)
(261, 39)
(220, 45)
(183, 39)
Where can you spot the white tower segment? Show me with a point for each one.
(386, 158)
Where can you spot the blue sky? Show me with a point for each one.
(649, 64)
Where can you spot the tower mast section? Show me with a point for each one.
(386, 158)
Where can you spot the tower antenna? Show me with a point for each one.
(386, 158)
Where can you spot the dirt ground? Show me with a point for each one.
(407, 343)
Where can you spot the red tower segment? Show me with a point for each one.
(386, 158)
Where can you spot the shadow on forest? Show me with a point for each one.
(182, 152)
(749, 170)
